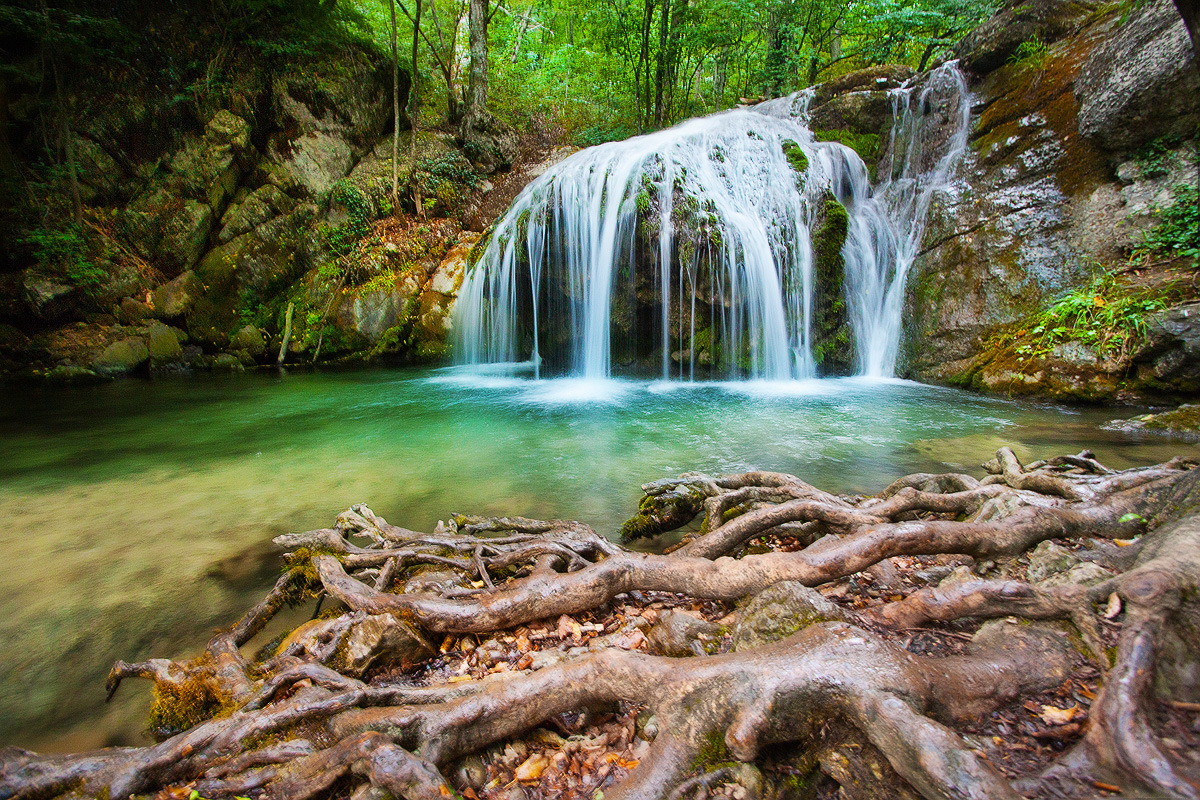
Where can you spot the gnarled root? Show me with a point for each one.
(841, 693)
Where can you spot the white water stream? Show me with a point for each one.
(711, 219)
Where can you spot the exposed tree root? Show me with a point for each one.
(336, 708)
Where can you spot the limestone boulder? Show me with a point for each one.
(259, 206)
(122, 356)
(208, 167)
(990, 45)
(251, 340)
(1141, 83)
(163, 344)
(174, 298)
(47, 297)
(780, 611)
(329, 112)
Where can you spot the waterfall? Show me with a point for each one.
(689, 252)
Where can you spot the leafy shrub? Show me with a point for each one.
(1030, 53)
(601, 133)
(1178, 230)
(65, 252)
(1103, 315)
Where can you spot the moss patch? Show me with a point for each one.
(832, 340)
(867, 145)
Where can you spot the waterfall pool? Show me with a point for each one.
(139, 515)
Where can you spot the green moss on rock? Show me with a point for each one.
(832, 339)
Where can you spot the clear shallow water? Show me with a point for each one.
(138, 516)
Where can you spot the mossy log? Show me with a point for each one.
(844, 696)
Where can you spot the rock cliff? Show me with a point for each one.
(1084, 124)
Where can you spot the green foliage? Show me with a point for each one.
(867, 145)
(1104, 315)
(1152, 157)
(359, 216)
(67, 253)
(443, 179)
(1030, 53)
(1177, 232)
(601, 133)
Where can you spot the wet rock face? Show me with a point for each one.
(1141, 83)
(1042, 196)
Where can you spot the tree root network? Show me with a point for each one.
(1035, 633)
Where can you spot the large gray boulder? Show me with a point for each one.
(328, 114)
(1141, 83)
(122, 356)
(991, 44)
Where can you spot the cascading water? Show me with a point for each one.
(690, 252)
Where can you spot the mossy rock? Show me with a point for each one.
(833, 345)
(778, 612)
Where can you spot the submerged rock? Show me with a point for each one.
(1179, 423)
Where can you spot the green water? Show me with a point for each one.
(138, 516)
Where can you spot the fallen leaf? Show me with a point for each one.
(1058, 716)
(1114, 606)
(569, 628)
(1123, 542)
(531, 769)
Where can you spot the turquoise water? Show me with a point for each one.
(139, 515)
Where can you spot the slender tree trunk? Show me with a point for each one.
(395, 114)
(926, 56)
(522, 25)
(664, 55)
(477, 87)
(644, 59)
(413, 100)
(678, 14)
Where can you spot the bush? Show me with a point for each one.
(1177, 233)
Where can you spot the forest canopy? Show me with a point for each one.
(617, 67)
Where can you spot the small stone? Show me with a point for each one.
(379, 637)
(957, 575)
(1082, 574)
(1048, 559)
(678, 634)
(779, 611)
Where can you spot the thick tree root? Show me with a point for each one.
(329, 710)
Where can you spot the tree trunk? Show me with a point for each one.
(395, 114)
(413, 108)
(1190, 11)
(661, 66)
(645, 111)
(477, 87)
